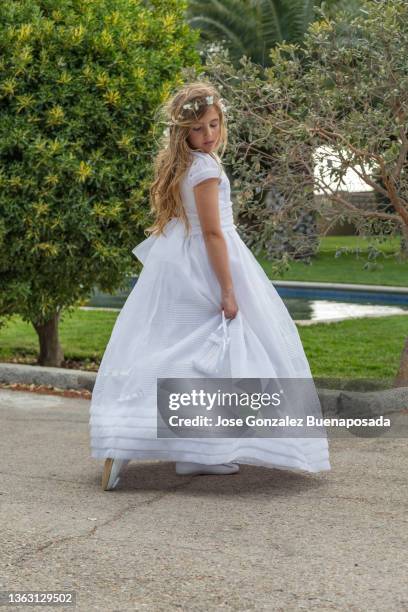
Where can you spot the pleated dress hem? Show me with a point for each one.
(214, 459)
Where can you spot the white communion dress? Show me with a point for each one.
(166, 320)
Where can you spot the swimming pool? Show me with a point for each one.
(309, 302)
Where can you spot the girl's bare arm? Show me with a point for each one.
(206, 196)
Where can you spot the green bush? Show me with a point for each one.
(79, 86)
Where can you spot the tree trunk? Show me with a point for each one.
(51, 353)
(401, 379)
(404, 243)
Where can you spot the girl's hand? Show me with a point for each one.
(229, 304)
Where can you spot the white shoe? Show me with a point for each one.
(185, 467)
(111, 471)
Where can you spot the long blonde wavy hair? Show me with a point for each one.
(175, 154)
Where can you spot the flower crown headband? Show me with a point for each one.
(209, 100)
(196, 105)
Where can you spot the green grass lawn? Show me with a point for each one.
(359, 348)
(347, 268)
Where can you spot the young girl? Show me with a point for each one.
(198, 277)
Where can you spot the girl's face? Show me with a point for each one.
(204, 134)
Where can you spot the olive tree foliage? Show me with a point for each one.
(252, 29)
(79, 86)
(332, 7)
(345, 90)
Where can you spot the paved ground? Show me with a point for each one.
(259, 540)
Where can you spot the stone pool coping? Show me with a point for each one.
(347, 286)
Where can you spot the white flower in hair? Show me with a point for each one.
(222, 105)
(210, 99)
(186, 105)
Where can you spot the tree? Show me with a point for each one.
(251, 29)
(382, 199)
(349, 98)
(79, 86)
(348, 93)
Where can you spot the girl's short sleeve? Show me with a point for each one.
(203, 167)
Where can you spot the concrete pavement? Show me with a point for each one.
(261, 539)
